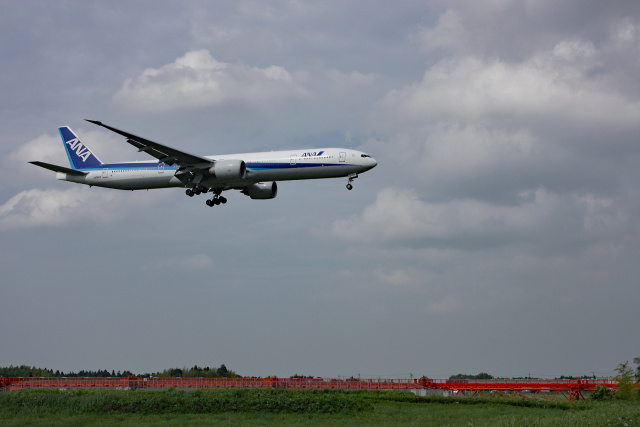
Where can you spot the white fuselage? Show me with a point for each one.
(261, 167)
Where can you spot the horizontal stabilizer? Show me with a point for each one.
(60, 169)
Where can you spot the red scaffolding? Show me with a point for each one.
(526, 388)
(505, 388)
(16, 383)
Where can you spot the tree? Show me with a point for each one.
(624, 378)
(223, 371)
(636, 360)
(480, 376)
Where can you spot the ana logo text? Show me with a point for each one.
(312, 154)
(77, 146)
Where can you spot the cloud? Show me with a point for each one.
(490, 127)
(340, 81)
(506, 135)
(449, 32)
(37, 208)
(446, 305)
(49, 148)
(196, 80)
(198, 262)
(550, 88)
(541, 220)
(44, 148)
(516, 29)
(398, 277)
(16, 172)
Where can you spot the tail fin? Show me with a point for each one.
(79, 154)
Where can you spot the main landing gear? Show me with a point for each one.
(351, 178)
(196, 191)
(217, 199)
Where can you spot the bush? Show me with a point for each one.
(602, 393)
(39, 402)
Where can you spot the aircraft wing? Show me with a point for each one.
(60, 169)
(161, 152)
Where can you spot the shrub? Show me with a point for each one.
(602, 393)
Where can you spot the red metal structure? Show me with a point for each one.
(16, 383)
(570, 389)
(505, 388)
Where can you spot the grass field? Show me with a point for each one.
(269, 407)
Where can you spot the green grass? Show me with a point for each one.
(269, 407)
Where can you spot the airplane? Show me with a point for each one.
(254, 174)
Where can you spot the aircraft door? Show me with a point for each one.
(105, 173)
(294, 159)
(343, 157)
(160, 168)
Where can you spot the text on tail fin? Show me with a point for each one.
(79, 154)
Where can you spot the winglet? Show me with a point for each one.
(95, 122)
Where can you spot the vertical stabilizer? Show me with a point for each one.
(79, 154)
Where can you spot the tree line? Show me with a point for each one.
(480, 376)
(197, 372)
(194, 372)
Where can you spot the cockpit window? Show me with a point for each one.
(364, 155)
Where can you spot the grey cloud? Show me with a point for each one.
(489, 129)
(543, 222)
(197, 80)
(506, 135)
(515, 30)
(34, 208)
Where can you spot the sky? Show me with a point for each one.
(499, 232)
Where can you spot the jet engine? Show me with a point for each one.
(261, 190)
(229, 170)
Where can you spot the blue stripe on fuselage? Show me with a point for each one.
(299, 165)
(131, 166)
(250, 166)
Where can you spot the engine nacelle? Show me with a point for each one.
(261, 190)
(229, 170)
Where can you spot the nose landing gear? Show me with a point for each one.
(351, 178)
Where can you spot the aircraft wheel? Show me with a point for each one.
(223, 200)
(349, 187)
(197, 191)
(209, 202)
(189, 192)
(216, 201)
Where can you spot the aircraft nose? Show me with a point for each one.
(369, 163)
